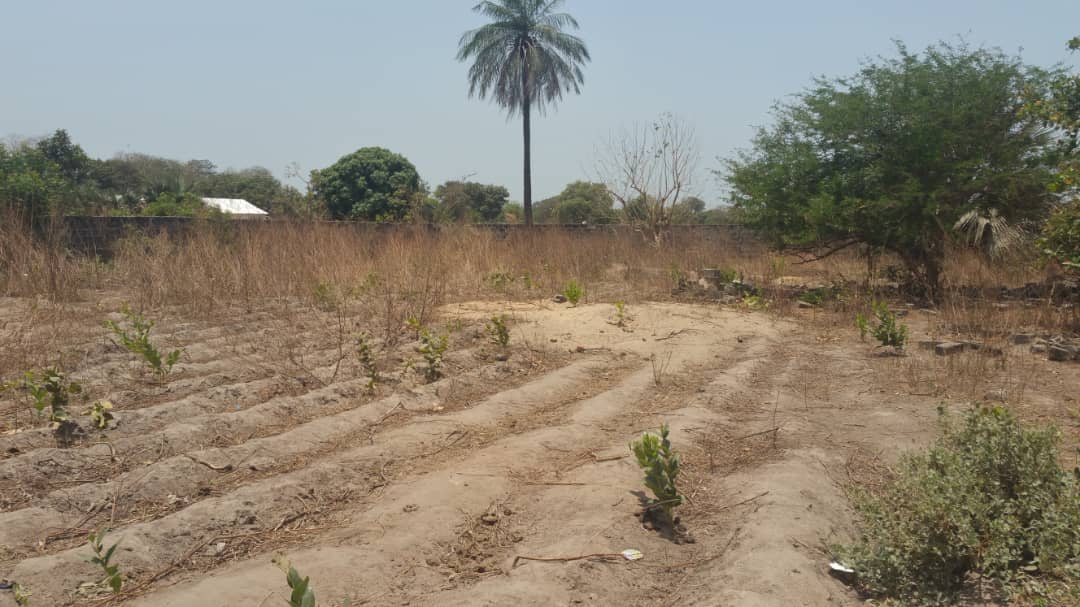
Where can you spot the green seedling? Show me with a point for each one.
(863, 323)
(661, 465)
(103, 558)
(621, 317)
(498, 331)
(368, 363)
(573, 292)
(100, 414)
(755, 302)
(136, 338)
(21, 595)
(887, 331)
(51, 391)
(432, 348)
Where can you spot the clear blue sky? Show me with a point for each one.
(269, 82)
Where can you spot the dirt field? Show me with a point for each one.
(266, 441)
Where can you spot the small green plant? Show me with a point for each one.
(368, 363)
(755, 302)
(621, 317)
(777, 264)
(302, 594)
(136, 338)
(499, 280)
(661, 465)
(432, 348)
(51, 390)
(863, 323)
(498, 331)
(102, 557)
(727, 275)
(100, 414)
(325, 296)
(573, 292)
(887, 331)
(989, 500)
(21, 594)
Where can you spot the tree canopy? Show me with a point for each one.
(470, 201)
(524, 59)
(372, 184)
(893, 156)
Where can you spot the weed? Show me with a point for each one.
(661, 465)
(51, 390)
(621, 317)
(573, 292)
(302, 594)
(136, 338)
(727, 275)
(887, 331)
(863, 323)
(21, 595)
(100, 414)
(326, 298)
(498, 331)
(367, 360)
(988, 498)
(499, 280)
(432, 347)
(660, 367)
(103, 558)
(755, 302)
(777, 265)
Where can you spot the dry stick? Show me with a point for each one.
(225, 468)
(566, 559)
(756, 497)
(554, 483)
(776, 429)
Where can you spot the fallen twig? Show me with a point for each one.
(747, 501)
(225, 468)
(770, 430)
(567, 559)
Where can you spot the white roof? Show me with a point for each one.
(234, 206)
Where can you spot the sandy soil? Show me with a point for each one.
(425, 494)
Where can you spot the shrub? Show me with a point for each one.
(988, 498)
(573, 292)
(1060, 238)
(498, 331)
(887, 331)
(51, 390)
(136, 338)
(661, 465)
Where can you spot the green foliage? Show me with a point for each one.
(661, 465)
(100, 414)
(21, 595)
(886, 330)
(186, 204)
(621, 317)
(432, 348)
(989, 498)
(136, 338)
(372, 184)
(498, 331)
(1060, 238)
(368, 364)
(50, 389)
(579, 202)
(755, 302)
(727, 275)
(469, 201)
(524, 60)
(573, 292)
(896, 154)
(102, 557)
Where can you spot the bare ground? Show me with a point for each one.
(426, 494)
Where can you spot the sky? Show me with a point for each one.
(270, 82)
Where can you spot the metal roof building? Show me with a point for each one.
(235, 206)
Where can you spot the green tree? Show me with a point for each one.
(373, 184)
(584, 202)
(1060, 110)
(187, 204)
(895, 155)
(512, 212)
(524, 60)
(689, 210)
(470, 201)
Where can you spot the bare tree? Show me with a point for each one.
(647, 168)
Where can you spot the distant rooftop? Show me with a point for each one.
(234, 206)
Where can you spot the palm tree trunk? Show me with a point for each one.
(527, 136)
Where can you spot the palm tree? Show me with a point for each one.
(524, 59)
